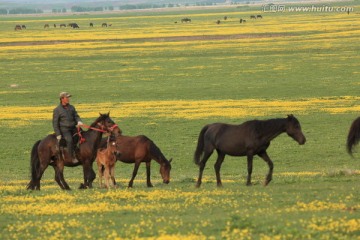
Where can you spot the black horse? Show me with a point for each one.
(247, 139)
(353, 136)
(46, 152)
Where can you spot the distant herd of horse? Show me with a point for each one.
(62, 25)
(188, 20)
(75, 25)
(248, 139)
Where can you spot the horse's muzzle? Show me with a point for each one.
(302, 141)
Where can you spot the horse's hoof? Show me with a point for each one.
(83, 186)
(249, 184)
(266, 183)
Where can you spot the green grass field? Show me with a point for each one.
(167, 80)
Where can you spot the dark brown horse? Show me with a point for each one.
(186, 20)
(353, 136)
(140, 149)
(247, 139)
(46, 152)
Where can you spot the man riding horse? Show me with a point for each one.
(65, 121)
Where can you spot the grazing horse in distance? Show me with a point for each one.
(104, 25)
(247, 139)
(62, 25)
(259, 16)
(73, 25)
(17, 27)
(140, 149)
(23, 26)
(47, 152)
(353, 135)
(252, 17)
(107, 158)
(185, 20)
(218, 22)
(46, 26)
(91, 24)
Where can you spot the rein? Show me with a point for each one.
(82, 139)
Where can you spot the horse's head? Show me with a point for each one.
(107, 124)
(293, 129)
(112, 146)
(165, 171)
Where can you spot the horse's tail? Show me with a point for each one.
(353, 136)
(200, 145)
(34, 163)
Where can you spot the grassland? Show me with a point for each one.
(166, 80)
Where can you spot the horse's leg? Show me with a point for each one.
(112, 175)
(107, 176)
(100, 173)
(136, 168)
(59, 175)
(35, 182)
(89, 175)
(217, 167)
(148, 181)
(250, 167)
(92, 175)
(202, 164)
(266, 158)
(41, 165)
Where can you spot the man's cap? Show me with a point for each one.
(65, 94)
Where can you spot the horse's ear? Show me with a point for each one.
(290, 116)
(100, 114)
(170, 160)
(108, 113)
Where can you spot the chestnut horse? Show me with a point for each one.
(353, 136)
(247, 139)
(140, 149)
(46, 152)
(106, 158)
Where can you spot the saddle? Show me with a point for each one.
(76, 141)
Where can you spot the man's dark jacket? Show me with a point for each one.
(65, 118)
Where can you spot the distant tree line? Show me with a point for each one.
(62, 10)
(91, 9)
(146, 6)
(4, 11)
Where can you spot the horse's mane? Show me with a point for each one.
(264, 126)
(102, 117)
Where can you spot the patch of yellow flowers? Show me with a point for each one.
(187, 109)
